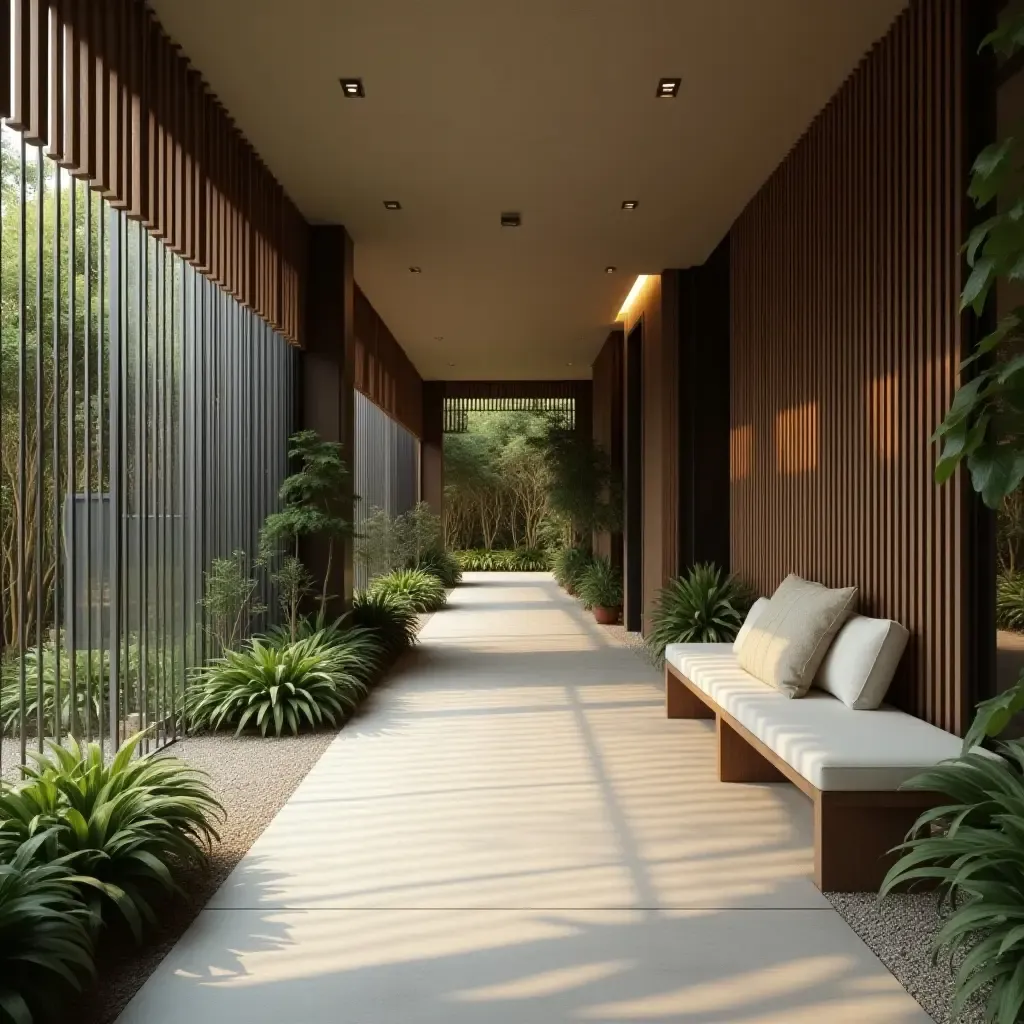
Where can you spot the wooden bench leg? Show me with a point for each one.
(738, 761)
(681, 701)
(853, 834)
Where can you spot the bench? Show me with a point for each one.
(849, 763)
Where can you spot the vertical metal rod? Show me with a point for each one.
(141, 505)
(103, 486)
(40, 456)
(58, 487)
(118, 320)
(71, 626)
(91, 675)
(22, 441)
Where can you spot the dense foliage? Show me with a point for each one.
(568, 565)
(442, 564)
(705, 606)
(522, 560)
(1010, 601)
(387, 616)
(129, 824)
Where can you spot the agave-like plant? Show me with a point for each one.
(972, 848)
(422, 591)
(387, 616)
(46, 944)
(269, 686)
(129, 824)
(706, 606)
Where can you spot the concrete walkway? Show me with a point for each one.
(514, 834)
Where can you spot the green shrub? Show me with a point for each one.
(388, 617)
(443, 565)
(518, 560)
(129, 824)
(600, 585)
(359, 649)
(275, 687)
(973, 848)
(1010, 601)
(45, 940)
(422, 591)
(568, 564)
(705, 606)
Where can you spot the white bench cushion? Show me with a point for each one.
(830, 745)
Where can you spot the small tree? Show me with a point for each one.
(294, 583)
(230, 599)
(313, 500)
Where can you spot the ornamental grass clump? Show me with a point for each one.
(388, 617)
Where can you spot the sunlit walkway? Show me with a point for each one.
(515, 834)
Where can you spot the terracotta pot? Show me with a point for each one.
(607, 616)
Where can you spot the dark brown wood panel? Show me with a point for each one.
(383, 372)
(116, 102)
(608, 375)
(845, 345)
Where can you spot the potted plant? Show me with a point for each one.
(600, 588)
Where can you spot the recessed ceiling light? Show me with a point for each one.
(610, 270)
(510, 220)
(629, 204)
(352, 88)
(438, 337)
(392, 204)
(415, 270)
(451, 364)
(569, 363)
(668, 88)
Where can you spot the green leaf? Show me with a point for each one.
(983, 276)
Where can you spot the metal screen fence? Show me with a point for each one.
(144, 417)
(387, 467)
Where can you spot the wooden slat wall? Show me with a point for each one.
(117, 103)
(383, 372)
(608, 383)
(845, 345)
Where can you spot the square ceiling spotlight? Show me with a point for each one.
(668, 88)
(352, 88)
(415, 270)
(630, 204)
(610, 270)
(511, 220)
(392, 204)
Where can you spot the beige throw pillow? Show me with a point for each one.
(790, 637)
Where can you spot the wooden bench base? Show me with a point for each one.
(854, 832)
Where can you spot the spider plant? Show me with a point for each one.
(442, 564)
(706, 606)
(600, 585)
(275, 687)
(128, 824)
(422, 591)
(45, 939)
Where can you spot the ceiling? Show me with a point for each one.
(545, 107)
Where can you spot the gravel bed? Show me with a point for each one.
(252, 778)
(899, 931)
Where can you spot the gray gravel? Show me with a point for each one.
(252, 778)
(899, 931)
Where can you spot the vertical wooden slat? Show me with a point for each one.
(56, 29)
(39, 73)
(845, 348)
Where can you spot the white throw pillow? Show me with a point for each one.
(787, 643)
(862, 660)
(755, 609)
